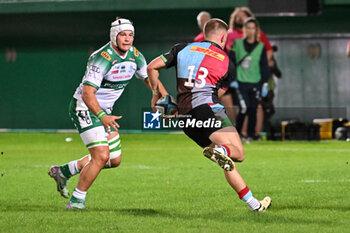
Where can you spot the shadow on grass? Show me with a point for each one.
(304, 207)
(273, 215)
(146, 212)
(137, 212)
(25, 206)
(225, 216)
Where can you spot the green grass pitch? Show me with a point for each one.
(165, 184)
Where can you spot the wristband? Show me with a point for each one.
(101, 114)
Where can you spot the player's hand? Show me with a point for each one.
(154, 100)
(110, 121)
(264, 90)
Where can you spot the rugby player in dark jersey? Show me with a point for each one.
(204, 72)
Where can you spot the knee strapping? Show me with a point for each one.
(114, 149)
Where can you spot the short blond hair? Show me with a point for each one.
(213, 25)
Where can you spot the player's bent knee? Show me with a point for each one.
(103, 158)
(116, 162)
(115, 159)
(240, 159)
(240, 156)
(99, 152)
(99, 157)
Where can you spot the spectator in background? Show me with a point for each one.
(238, 16)
(250, 58)
(202, 18)
(348, 49)
(267, 102)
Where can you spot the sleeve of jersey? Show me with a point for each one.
(229, 77)
(170, 58)
(266, 41)
(232, 54)
(96, 68)
(264, 67)
(141, 72)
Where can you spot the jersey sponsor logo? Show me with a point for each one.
(136, 52)
(246, 62)
(94, 69)
(122, 69)
(115, 86)
(105, 55)
(208, 52)
(122, 77)
(119, 69)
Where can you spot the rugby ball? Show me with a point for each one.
(166, 105)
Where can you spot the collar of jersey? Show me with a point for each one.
(213, 43)
(122, 57)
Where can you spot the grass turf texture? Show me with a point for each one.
(165, 184)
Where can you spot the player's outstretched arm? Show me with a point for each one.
(161, 88)
(153, 72)
(156, 95)
(91, 102)
(156, 85)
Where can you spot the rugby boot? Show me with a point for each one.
(222, 160)
(264, 204)
(61, 182)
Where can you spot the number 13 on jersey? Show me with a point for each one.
(201, 77)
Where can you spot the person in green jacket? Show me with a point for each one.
(250, 57)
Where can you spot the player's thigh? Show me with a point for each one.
(96, 141)
(99, 153)
(197, 133)
(227, 135)
(201, 134)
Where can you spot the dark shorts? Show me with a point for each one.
(206, 113)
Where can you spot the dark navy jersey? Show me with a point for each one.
(201, 69)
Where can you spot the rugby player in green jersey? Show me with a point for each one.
(108, 72)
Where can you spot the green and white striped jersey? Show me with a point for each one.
(110, 73)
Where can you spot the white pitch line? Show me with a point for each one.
(161, 149)
(298, 149)
(315, 181)
(326, 181)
